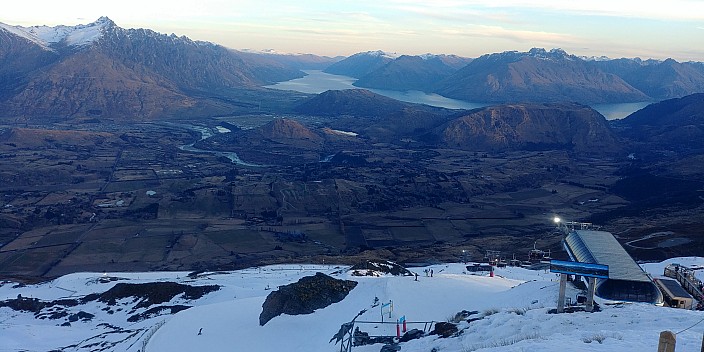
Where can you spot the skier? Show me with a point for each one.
(431, 272)
(200, 332)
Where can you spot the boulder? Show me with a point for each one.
(463, 315)
(390, 348)
(411, 335)
(444, 329)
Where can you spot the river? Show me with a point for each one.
(318, 81)
(206, 132)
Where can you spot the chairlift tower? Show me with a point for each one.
(492, 256)
(569, 226)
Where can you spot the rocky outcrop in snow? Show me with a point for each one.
(305, 296)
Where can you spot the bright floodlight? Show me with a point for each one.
(557, 220)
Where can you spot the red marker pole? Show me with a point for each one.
(398, 331)
(404, 325)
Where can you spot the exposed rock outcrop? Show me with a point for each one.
(305, 296)
(151, 293)
(444, 329)
(375, 268)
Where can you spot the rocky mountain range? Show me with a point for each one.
(658, 79)
(297, 61)
(100, 70)
(538, 75)
(412, 72)
(361, 64)
(103, 70)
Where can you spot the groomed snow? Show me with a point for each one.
(514, 303)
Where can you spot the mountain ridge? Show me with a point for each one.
(538, 75)
(410, 73)
(119, 73)
(535, 76)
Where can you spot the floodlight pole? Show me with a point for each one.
(561, 296)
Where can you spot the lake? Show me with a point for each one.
(318, 81)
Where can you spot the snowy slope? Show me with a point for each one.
(514, 305)
(46, 36)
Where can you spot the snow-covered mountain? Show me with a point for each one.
(508, 312)
(48, 37)
(537, 75)
(659, 79)
(105, 71)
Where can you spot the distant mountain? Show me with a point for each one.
(454, 61)
(412, 72)
(538, 76)
(351, 102)
(676, 124)
(297, 61)
(360, 64)
(103, 70)
(687, 110)
(527, 126)
(658, 79)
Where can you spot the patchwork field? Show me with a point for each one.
(133, 198)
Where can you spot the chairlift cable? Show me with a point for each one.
(697, 323)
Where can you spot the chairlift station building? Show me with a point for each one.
(627, 281)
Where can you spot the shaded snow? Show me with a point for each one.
(24, 33)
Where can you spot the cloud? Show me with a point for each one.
(522, 36)
(452, 11)
(685, 10)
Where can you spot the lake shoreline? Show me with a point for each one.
(317, 81)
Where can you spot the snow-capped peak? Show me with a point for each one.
(270, 52)
(552, 54)
(45, 36)
(379, 53)
(595, 58)
(429, 56)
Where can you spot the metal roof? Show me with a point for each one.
(674, 287)
(600, 247)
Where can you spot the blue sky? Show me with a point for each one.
(615, 28)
